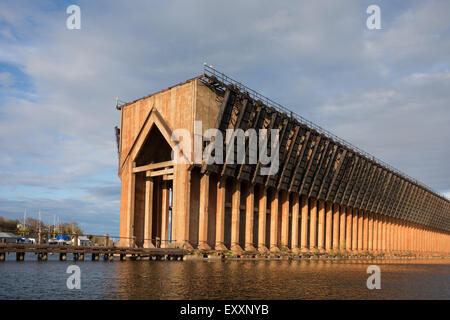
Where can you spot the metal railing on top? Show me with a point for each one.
(210, 71)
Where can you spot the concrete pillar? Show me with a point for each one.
(348, 229)
(295, 217)
(355, 230)
(304, 226)
(408, 236)
(402, 246)
(419, 239)
(423, 239)
(165, 215)
(402, 236)
(274, 221)
(203, 213)
(220, 215)
(312, 224)
(435, 247)
(383, 235)
(404, 239)
(235, 217)
(249, 217)
(386, 233)
(321, 226)
(360, 230)
(262, 215)
(370, 234)
(148, 212)
(342, 226)
(434, 241)
(130, 205)
(396, 236)
(285, 220)
(328, 226)
(375, 232)
(366, 231)
(380, 233)
(432, 245)
(336, 227)
(390, 235)
(424, 248)
(181, 205)
(416, 238)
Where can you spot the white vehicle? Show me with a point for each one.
(64, 242)
(52, 241)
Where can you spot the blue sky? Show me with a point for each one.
(385, 91)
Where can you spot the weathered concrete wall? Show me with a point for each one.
(177, 107)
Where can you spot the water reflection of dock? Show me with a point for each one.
(79, 253)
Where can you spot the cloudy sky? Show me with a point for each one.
(386, 91)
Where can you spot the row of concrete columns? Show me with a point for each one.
(149, 212)
(310, 225)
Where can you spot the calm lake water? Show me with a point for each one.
(400, 279)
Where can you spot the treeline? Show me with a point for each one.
(8, 225)
(32, 226)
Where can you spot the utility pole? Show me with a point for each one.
(40, 240)
(24, 222)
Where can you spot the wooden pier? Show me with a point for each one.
(79, 252)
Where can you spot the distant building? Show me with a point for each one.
(82, 241)
(6, 237)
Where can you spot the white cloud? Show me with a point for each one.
(6, 79)
(405, 123)
(385, 91)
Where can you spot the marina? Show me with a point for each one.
(79, 253)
